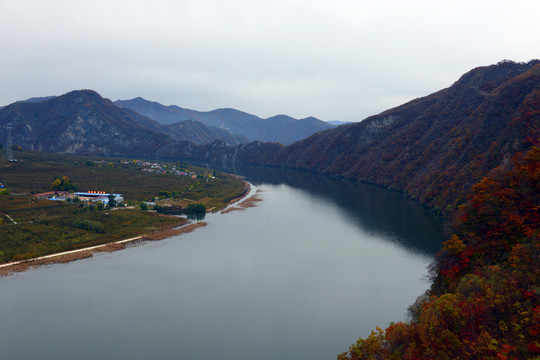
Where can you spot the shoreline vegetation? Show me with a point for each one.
(34, 231)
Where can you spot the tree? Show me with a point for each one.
(112, 201)
(484, 299)
(63, 183)
(196, 208)
(196, 211)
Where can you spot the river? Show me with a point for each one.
(318, 263)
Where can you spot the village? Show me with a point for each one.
(91, 197)
(155, 167)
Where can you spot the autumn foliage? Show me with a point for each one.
(484, 301)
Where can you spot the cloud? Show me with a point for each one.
(334, 60)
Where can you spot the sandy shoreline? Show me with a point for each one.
(246, 200)
(251, 201)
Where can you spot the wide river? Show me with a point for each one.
(317, 264)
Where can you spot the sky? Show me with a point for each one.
(335, 60)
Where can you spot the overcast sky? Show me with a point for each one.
(335, 60)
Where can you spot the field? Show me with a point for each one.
(31, 228)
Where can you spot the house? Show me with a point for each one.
(54, 195)
(95, 196)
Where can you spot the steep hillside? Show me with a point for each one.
(484, 302)
(78, 122)
(283, 129)
(436, 147)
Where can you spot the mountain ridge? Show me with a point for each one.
(279, 128)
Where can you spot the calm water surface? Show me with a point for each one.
(317, 264)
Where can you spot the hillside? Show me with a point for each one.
(436, 147)
(484, 302)
(281, 128)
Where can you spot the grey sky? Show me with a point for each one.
(335, 60)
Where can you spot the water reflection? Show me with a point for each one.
(373, 209)
(196, 216)
(284, 280)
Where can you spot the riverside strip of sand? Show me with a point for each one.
(250, 201)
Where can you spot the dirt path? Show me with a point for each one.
(72, 255)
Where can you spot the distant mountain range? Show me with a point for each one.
(281, 128)
(73, 122)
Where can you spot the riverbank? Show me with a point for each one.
(79, 254)
(246, 200)
(250, 201)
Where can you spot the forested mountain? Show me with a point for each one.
(281, 128)
(436, 147)
(78, 122)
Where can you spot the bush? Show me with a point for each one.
(94, 226)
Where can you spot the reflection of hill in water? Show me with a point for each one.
(370, 207)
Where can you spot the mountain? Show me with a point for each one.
(436, 147)
(198, 133)
(78, 122)
(228, 119)
(483, 300)
(283, 129)
(432, 148)
(188, 130)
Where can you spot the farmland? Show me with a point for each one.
(31, 227)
